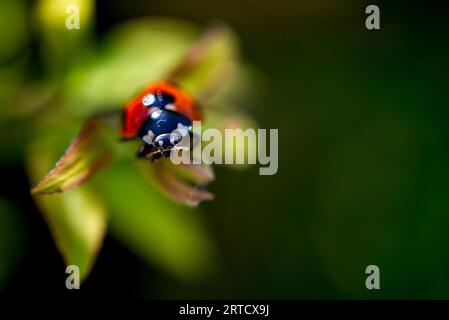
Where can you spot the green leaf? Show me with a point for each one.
(146, 50)
(59, 46)
(89, 151)
(196, 173)
(184, 183)
(175, 183)
(222, 120)
(208, 64)
(158, 230)
(134, 54)
(77, 219)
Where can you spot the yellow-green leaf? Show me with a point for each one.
(157, 229)
(12, 239)
(208, 64)
(77, 219)
(134, 54)
(184, 183)
(152, 49)
(89, 151)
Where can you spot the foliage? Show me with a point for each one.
(83, 86)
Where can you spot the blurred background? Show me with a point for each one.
(363, 153)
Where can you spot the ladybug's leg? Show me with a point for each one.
(154, 155)
(148, 151)
(144, 150)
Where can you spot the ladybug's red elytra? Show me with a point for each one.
(160, 116)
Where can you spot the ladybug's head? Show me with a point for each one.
(162, 131)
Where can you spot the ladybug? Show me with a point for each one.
(160, 116)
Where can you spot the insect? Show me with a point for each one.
(161, 116)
